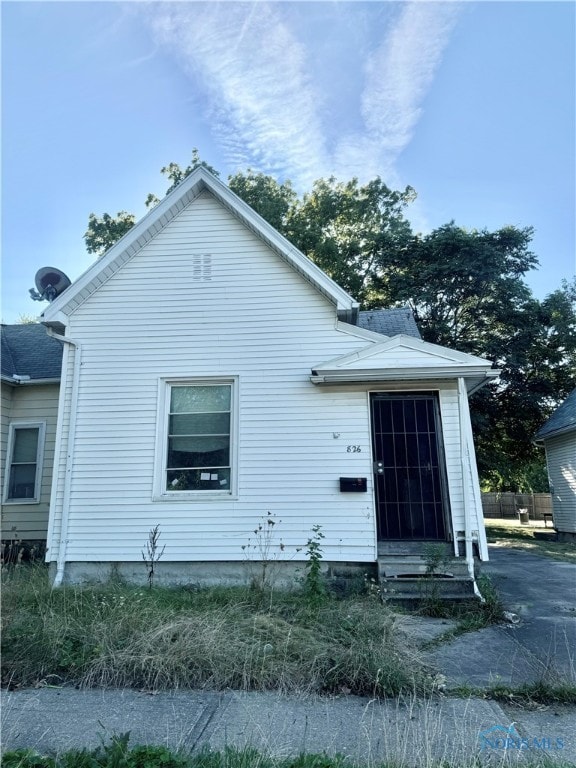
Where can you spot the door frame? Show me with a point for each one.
(407, 393)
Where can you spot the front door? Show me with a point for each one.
(408, 466)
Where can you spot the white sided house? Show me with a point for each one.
(214, 378)
(558, 436)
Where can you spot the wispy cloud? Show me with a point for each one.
(398, 75)
(263, 101)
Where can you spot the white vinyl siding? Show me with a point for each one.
(561, 461)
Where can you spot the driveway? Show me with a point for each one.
(540, 647)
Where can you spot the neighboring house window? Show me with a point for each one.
(24, 462)
(198, 442)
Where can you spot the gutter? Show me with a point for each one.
(358, 376)
(464, 453)
(61, 558)
(28, 382)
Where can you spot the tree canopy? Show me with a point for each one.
(465, 287)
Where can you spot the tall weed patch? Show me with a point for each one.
(116, 635)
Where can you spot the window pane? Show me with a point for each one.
(206, 479)
(199, 438)
(22, 481)
(200, 399)
(200, 424)
(198, 452)
(25, 445)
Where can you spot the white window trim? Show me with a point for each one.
(159, 492)
(13, 426)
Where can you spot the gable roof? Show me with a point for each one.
(404, 358)
(389, 322)
(27, 350)
(562, 420)
(143, 231)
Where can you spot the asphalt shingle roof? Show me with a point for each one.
(563, 419)
(389, 322)
(27, 350)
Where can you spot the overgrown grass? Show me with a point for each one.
(509, 533)
(118, 635)
(526, 695)
(470, 615)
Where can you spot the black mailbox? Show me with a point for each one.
(353, 484)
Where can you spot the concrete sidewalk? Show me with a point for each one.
(412, 732)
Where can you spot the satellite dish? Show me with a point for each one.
(50, 283)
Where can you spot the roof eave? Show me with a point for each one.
(541, 438)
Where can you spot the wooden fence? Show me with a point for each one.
(507, 504)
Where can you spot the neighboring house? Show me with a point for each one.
(558, 436)
(31, 365)
(214, 376)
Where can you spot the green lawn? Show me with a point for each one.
(509, 533)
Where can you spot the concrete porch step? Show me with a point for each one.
(413, 565)
(413, 589)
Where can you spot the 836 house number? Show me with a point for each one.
(353, 449)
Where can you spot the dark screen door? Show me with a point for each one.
(408, 466)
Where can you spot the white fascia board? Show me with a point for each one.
(474, 378)
(389, 374)
(58, 319)
(138, 235)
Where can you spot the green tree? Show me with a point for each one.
(467, 291)
(104, 231)
(274, 201)
(464, 286)
(538, 363)
(355, 233)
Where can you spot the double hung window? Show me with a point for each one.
(24, 462)
(198, 453)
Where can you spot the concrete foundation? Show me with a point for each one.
(342, 578)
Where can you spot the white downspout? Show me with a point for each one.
(61, 560)
(464, 456)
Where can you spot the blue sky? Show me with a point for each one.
(471, 103)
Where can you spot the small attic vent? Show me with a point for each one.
(202, 266)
